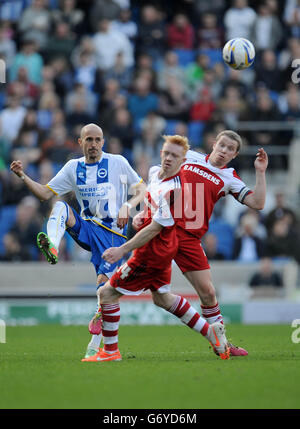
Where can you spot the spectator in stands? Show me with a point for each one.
(170, 68)
(267, 29)
(63, 76)
(80, 114)
(210, 34)
(210, 244)
(103, 10)
(26, 145)
(11, 11)
(282, 241)
(23, 88)
(195, 73)
(248, 247)
(154, 122)
(58, 148)
(147, 146)
(266, 282)
(31, 60)
(84, 46)
(141, 101)
(173, 102)
(239, 20)
(151, 38)
(122, 128)
(232, 107)
(292, 17)
(234, 79)
(11, 118)
(119, 72)
(180, 33)
(108, 102)
(7, 47)
(13, 191)
(281, 210)
(14, 251)
(200, 7)
(265, 110)
(35, 23)
(204, 107)
(48, 103)
(61, 43)
(211, 83)
(126, 25)
(268, 72)
(85, 71)
(81, 93)
(266, 276)
(108, 43)
(28, 224)
(114, 145)
(70, 14)
(289, 103)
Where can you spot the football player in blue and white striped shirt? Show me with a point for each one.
(101, 182)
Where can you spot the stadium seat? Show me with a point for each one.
(225, 236)
(7, 219)
(215, 55)
(195, 130)
(185, 56)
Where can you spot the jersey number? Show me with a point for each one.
(125, 269)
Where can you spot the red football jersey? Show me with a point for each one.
(159, 205)
(203, 186)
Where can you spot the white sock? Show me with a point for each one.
(95, 342)
(56, 224)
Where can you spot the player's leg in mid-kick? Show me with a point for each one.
(60, 218)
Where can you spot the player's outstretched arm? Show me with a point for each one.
(40, 191)
(113, 254)
(257, 199)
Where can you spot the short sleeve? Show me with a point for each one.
(129, 176)
(62, 183)
(238, 188)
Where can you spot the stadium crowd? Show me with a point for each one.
(140, 70)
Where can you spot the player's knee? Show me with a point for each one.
(159, 300)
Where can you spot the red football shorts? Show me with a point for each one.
(190, 255)
(133, 278)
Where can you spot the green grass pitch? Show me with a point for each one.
(167, 367)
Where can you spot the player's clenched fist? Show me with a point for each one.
(17, 168)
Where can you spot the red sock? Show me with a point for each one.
(110, 326)
(188, 315)
(212, 313)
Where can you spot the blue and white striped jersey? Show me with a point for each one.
(101, 188)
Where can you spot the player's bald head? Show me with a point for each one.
(91, 128)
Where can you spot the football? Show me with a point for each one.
(239, 53)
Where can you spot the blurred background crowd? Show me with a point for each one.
(139, 70)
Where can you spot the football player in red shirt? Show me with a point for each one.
(155, 246)
(206, 179)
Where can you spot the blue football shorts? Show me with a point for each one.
(96, 239)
